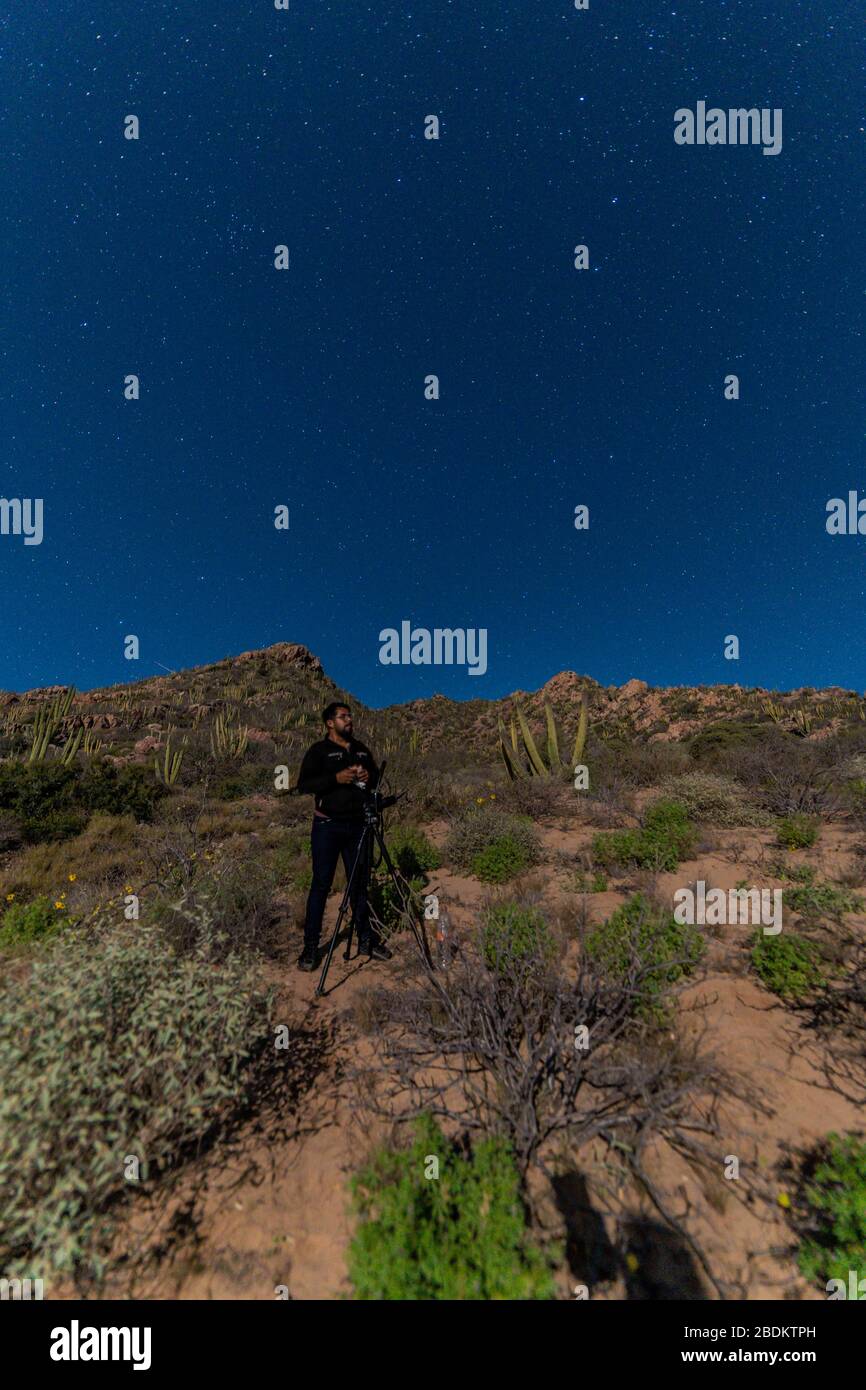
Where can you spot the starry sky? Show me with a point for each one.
(411, 257)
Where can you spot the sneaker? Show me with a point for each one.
(308, 959)
(375, 951)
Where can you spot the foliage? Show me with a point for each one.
(788, 964)
(112, 1047)
(512, 932)
(477, 827)
(665, 837)
(33, 923)
(798, 831)
(834, 1231)
(499, 861)
(640, 934)
(707, 796)
(459, 1236)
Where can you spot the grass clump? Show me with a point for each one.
(834, 1194)
(411, 850)
(789, 965)
(666, 836)
(112, 1047)
(459, 1236)
(643, 942)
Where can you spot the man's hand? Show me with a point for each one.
(350, 774)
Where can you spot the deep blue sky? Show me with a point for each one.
(411, 257)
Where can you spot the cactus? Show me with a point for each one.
(227, 740)
(774, 710)
(532, 763)
(46, 723)
(92, 744)
(169, 770)
(71, 747)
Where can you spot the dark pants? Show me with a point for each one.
(331, 839)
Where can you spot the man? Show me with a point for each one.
(337, 770)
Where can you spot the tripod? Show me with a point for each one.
(373, 834)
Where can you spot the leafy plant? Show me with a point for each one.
(788, 964)
(512, 932)
(834, 1194)
(798, 831)
(641, 937)
(499, 861)
(32, 924)
(112, 1046)
(665, 837)
(477, 827)
(458, 1236)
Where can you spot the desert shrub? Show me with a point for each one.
(462, 1236)
(412, 852)
(639, 936)
(665, 837)
(816, 900)
(788, 964)
(833, 1230)
(32, 924)
(707, 796)
(499, 861)
(713, 745)
(798, 831)
(111, 1047)
(512, 932)
(477, 827)
(633, 764)
(244, 780)
(234, 893)
(52, 802)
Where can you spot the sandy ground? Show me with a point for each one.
(269, 1209)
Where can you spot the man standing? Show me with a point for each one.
(336, 770)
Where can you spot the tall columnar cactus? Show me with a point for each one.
(46, 723)
(530, 762)
(227, 740)
(168, 770)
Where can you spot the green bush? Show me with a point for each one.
(798, 831)
(513, 932)
(32, 924)
(53, 802)
(834, 1231)
(787, 964)
(477, 827)
(665, 837)
(461, 1236)
(640, 936)
(816, 900)
(499, 861)
(411, 851)
(113, 1046)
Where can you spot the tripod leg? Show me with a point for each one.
(417, 932)
(320, 987)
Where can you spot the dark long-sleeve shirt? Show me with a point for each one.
(318, 776)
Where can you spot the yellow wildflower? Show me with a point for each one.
(632, 1263)
(784, 1200)
(10, 897)
(72, 877)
